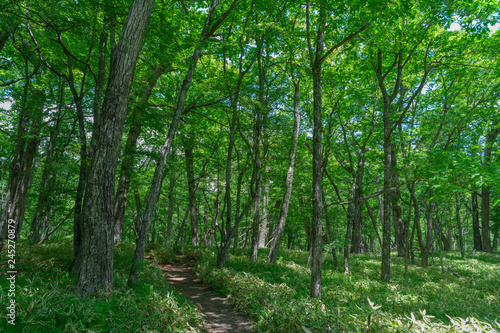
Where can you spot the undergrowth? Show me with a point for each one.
(278, 296)
(46, 301)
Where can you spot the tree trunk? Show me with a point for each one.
(459, 227)
(278, 233)
(475, 223)
(40, 217)
(397, 219)
(168, 236)
(485, 190)
(193, 210)
(265, 210)
(256, 150)
(358, 205)
(96, 271)
(22, 166)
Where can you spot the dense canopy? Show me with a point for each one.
(334, 127)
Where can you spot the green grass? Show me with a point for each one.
(46, 301)
(277, 296)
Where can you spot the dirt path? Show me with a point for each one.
(219, 315)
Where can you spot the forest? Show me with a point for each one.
(328, 166)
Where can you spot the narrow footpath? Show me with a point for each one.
(219, 315)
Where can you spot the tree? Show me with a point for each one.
(96, 271)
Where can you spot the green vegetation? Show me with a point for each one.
(46, 301)
(278, 296)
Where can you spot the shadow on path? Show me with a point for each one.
(219, 315)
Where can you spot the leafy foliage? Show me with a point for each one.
(277, 296)
(46, 301)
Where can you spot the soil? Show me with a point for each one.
(218, 314)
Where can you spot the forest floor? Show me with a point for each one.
(218, 314)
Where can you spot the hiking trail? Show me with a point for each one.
(218, 313)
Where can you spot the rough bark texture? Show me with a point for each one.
(96, 271)
(317, 183)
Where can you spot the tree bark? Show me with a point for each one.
(265, 210)
(96, 271)
(317, 184)
(485, 190)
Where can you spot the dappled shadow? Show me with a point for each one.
(219, 315)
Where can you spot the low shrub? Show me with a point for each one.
(46, 301)
(277, 296)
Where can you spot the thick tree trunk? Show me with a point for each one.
(278, 233)
(96, 270)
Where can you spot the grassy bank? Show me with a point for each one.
(46, 301)
(277, 296)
